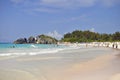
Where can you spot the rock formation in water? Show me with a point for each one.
(40, 39)
(43, 39)
(21, 41)
(31, 39)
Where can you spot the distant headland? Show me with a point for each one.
(40, 39)
(73, 37)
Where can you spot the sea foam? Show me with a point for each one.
(33, 49)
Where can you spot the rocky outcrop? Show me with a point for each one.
(21, 41)
(31, 39)
(41, 39)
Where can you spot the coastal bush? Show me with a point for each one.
(88, 36)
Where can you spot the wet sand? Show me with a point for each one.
(80, 64)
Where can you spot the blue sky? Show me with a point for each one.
(24, 18)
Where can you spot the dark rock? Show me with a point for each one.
(41, 39)
(31, 39)
(21, 41)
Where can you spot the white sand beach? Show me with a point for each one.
(59, 39)
(92, 63)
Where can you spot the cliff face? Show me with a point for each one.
(40, 39)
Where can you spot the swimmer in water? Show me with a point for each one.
(12, 47)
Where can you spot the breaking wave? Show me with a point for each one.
(32, 49)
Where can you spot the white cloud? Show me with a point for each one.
(110, 3)
(55, 34)
(45, 10)
(68, 3)
(92, 29)
(45, 5)
(82, 17)
(17, 1)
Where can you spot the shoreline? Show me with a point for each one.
(114, 45)
(68, 65)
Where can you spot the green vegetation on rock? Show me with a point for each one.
(40, 39)
(75, 36)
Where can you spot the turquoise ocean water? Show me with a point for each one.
(9, 49)
(14, 50)
(43, 46)
(48, 54)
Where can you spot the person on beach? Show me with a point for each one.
(108, 45)
(116, 46)
(113, 45)
(86, 44)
